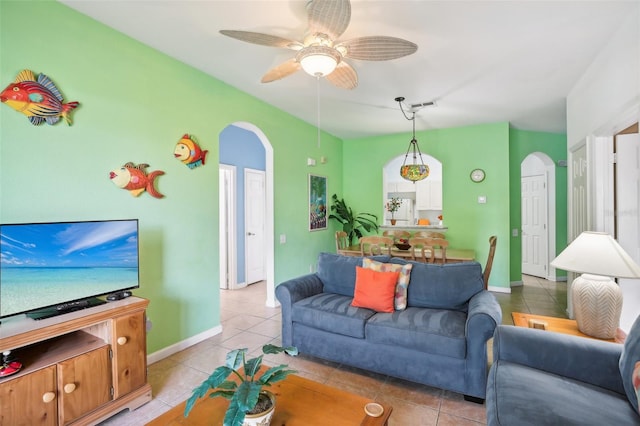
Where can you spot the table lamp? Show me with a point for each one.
(597, 299)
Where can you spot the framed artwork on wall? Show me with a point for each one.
(317, 203)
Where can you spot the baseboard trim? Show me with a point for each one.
(496, 289)
(182, 345)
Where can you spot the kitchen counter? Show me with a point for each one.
(414, 228)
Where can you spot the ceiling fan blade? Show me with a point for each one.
(376, 48)
(330, 17)
(344, 76)
(281, 71)
(263, 39)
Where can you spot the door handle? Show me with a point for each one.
(250, 233)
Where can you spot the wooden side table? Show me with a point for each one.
(560, 325)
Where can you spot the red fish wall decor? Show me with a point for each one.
(189, 152)
(39, 99)
(135, 180)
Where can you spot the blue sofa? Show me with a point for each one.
(544, 378)
(438, 340)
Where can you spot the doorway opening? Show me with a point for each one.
(538, 219)
(231, 140)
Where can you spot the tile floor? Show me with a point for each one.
(251, 324)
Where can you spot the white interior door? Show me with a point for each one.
(534, 225)
(627, 217)
(227, 190)
(254, 182)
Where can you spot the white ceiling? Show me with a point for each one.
(480, 61)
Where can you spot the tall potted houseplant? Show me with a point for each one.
(352, 224)
(249, 404)
(392, 206)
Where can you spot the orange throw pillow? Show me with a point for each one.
(375, 290)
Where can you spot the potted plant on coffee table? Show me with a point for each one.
(249, 403)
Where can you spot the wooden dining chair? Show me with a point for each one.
(487, 268)
(393, 233)
(429, 234)
(426, 248)
(373, 245)
(342, 241)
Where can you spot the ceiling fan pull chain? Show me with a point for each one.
(318, 107)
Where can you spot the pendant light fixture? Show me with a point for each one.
(414, 171)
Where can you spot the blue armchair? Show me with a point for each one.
(545, 378)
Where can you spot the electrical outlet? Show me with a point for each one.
(482, 199)
(514, 232)
(283, 238)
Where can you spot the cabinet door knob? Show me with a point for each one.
(48, 397)
(69, 387)
(122, 340)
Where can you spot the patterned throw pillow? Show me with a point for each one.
(635, 379)
(400, 301)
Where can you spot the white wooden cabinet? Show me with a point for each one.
(401, 187)
(429, 195)
(79, 368)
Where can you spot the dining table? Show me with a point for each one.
(454, 255)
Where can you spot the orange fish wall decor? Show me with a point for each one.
(189, 152)
(135, 180)
(39, 99)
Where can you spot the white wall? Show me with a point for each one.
(605, 100)
(609, 90)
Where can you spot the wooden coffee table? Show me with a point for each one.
(560, 325)
(299, 402)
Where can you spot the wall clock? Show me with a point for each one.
(477, 175)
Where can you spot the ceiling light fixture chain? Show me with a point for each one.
(416, 171)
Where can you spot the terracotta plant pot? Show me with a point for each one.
(393, 221)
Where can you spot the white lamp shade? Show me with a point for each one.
(599, 254)
(318, 61)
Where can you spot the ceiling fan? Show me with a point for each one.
(320, 54)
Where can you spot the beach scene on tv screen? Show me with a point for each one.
(47, 264)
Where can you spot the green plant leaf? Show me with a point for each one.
(235, 358)
(227, 394)
(218, 376)
(246, 396)
(275, 374)
(234, 415)
(273, 349)
(252, 366)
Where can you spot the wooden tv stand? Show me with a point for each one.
(79, 368)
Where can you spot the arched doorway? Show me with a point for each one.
(421, 200)
(268, 211)
(538, 219)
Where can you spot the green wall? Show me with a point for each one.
(135, 104)
(460, 150)
(554, 145)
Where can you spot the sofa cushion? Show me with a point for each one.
(435, 331)
(331, 312)
(375, 289)
(521, 395)
(630, 355)
(338, 273)
(448, 286)
(400, 298)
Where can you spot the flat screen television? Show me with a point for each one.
(52, 268)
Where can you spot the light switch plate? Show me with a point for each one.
(482, 199)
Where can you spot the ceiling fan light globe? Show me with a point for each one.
(318, 61)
